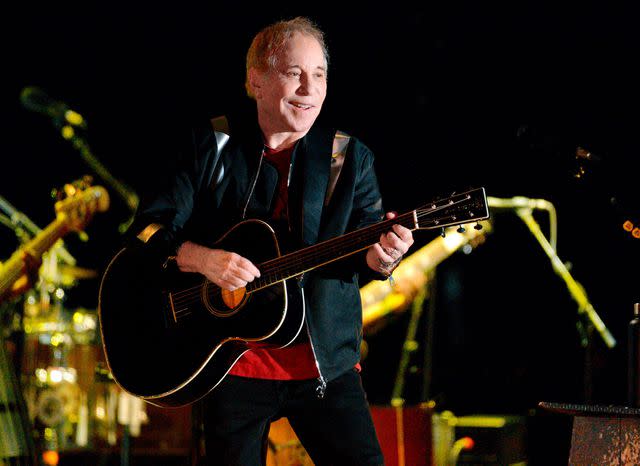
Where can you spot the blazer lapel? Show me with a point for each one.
(313, 158)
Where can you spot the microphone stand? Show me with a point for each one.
(585, 308)
(125, 192)
(65, 119)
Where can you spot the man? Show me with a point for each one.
(280, 169)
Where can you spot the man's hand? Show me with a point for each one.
(385, 255)
(226, 269)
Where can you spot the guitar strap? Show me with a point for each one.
(338, 154)
(222, 134)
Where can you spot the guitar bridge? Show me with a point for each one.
(170, 310)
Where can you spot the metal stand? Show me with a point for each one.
(125, 446)
(585, 308)
(429, 339)
(586, 311)
(409, 346)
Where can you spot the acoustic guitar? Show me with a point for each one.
(170, 337)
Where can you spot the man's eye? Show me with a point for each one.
(320, 75)
(293, 74)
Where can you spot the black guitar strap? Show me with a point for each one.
(222, 133)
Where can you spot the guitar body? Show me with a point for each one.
(170, 337)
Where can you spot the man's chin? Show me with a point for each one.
(304, 125)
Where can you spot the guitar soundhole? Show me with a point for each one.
(223, 303)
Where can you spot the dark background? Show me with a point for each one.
(447, 96)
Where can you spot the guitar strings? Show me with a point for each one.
(299, 257)
(188, 296)
(280, 264)
(185, 302)
(295, 258)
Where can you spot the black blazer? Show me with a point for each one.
(212, 191)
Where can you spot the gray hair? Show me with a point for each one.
(263, 52)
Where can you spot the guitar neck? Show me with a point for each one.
(466, 207)
(296, 263)
(17, 264)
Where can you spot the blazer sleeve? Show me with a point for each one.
(162, 216)
(367, 207)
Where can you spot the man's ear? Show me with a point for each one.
(255, 81)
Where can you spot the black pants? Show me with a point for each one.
(335, 430)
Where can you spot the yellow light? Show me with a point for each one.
(78, 317)
(100, 412)
(70, 190)
(411, 345)
(69, 375)
(41, 375)
(59, 293)
(49, 434)
(57, 339)
(73, 117)
(636, 233)
(67, 132)
(495, 422)
(453, 241)
(627, 225)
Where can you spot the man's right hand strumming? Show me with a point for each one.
(226, 269)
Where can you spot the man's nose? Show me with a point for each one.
(305, 87)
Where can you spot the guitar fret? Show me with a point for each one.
(309, 258)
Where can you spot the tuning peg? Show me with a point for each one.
(477, 226)
(461, 229)
(85, 182)
(443, 233)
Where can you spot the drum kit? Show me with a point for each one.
(71, 401)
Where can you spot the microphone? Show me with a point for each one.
(35, 99)
(519, 202)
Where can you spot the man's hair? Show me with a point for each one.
(264, 49)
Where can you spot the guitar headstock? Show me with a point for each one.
(78, 201)
(467, 207)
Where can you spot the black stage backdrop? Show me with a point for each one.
(448, 97)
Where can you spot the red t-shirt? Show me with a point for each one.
(294, 362)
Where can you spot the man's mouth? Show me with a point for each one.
(302, 106)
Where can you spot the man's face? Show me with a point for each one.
(290, 96)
